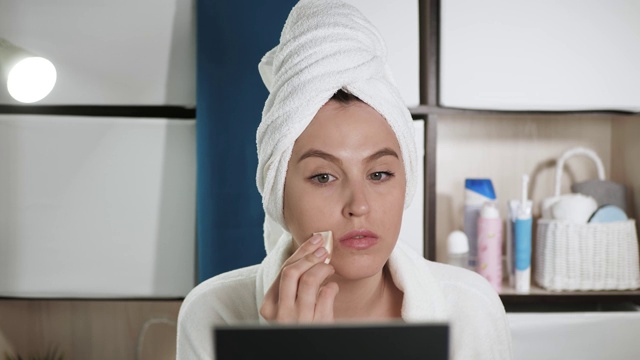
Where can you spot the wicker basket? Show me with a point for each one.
(592, 256)
(571, 256)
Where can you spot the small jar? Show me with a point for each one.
(458, 249)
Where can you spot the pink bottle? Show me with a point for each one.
(490, 245)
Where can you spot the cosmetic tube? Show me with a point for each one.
(522, 241)
(522, 247)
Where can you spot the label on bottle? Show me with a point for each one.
(490, 250)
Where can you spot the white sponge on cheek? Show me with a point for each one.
(327, 238)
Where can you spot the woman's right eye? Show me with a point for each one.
(323, 178)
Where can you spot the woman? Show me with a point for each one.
(337, 152)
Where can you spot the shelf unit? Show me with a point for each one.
(430, 110)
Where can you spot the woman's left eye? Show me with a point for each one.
(380, 175)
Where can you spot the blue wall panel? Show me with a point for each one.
(232, 38)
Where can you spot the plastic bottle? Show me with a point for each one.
(476, 193)
(458, 249)
(490, 245)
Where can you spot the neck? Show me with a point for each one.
(372, 298)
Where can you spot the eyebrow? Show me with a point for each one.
(320, 154)
(381, 153)
(328, 157)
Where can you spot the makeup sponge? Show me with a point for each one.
(327, 240)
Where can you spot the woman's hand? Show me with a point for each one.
(298, 293)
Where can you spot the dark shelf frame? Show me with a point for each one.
(130, 111)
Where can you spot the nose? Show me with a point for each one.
(357, 201)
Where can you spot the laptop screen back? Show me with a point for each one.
(335, 341)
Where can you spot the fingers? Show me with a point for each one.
(272, 299)
(308, 247)
(324, 306)
(291, 275)
(298, 294)
(308, 290)
(269, 307)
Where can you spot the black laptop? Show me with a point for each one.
(338, 341)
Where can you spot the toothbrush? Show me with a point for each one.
(525, 185)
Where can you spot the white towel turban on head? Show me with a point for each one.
(325, 46)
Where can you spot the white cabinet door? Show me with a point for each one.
(540, 55)
(97, 207)
(119, 52)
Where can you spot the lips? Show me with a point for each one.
(359, 239)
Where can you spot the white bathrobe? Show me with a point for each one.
(432, 292)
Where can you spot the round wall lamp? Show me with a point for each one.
(28, 78)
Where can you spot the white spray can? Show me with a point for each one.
(490, 245)
(476, 193)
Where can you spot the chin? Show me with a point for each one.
(360, 267)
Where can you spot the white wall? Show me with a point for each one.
(397, 21)
(412, 230)
(108, 52)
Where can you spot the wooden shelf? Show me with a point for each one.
(539, 295)
(426, 110)
(431, 109)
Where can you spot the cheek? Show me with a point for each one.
(393, 209)
(305, 211)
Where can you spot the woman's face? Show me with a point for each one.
(346, 175)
